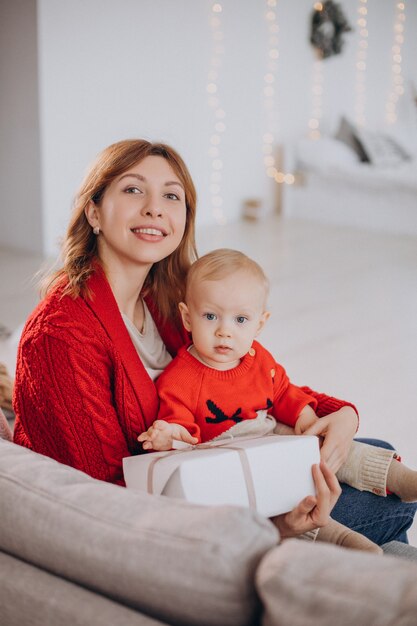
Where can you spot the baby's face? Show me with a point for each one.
(224, 317)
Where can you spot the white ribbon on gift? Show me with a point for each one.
(225, 445)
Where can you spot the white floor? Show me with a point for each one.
(344, 314)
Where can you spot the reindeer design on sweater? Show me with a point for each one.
(220, 416)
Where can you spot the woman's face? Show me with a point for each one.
(141, 216)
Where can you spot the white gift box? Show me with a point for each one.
(270, 474)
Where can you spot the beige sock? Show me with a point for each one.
(402, 481)
(343, 536)
(366, 468)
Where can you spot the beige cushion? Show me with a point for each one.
(174, 561)
(306, 584)
(30, 596)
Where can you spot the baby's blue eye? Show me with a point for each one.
(241, 319)
(210, 316)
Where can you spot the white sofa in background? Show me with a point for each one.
(334, 185)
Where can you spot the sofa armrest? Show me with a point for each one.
(322, 585)
(403, 550)
(29, 595)
(174, 561)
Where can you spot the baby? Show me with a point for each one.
(227, 384)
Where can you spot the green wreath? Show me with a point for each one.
(327, 27)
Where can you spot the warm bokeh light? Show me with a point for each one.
(396, 90)
(316, 112)
(219, 113)
(361, 57)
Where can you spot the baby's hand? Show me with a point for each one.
(161, 435)
(306, 419)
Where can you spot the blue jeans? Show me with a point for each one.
(379, 519)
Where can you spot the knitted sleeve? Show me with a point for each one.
(177, 399)
(63, 402)
(327, 404)
(289, 400)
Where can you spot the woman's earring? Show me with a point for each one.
(96, 230)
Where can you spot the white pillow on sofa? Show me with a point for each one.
(382, 150)
(372, 147)
(324, 153)
(406, 136)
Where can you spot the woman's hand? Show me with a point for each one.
(338, 430)
(313, 511)
(161, 434)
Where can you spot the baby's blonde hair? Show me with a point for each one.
(221, 263)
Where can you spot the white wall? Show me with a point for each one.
(339, 72)
(20, 208)
(111, 69)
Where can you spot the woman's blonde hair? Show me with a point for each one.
(165, 283)
(221, 263)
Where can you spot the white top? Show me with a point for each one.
(149, 345)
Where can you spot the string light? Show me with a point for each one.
(317, 88)
(397, 80)
(317, 98)
(219, 114)
(269, 93)
(361, 63)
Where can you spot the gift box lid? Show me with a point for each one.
(271, 474)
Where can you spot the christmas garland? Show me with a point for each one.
(327, 27)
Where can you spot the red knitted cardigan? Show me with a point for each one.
(82, 395)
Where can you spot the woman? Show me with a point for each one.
(109, 324)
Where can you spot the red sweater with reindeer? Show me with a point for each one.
(208, 401)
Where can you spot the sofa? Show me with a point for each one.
(75, 551)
